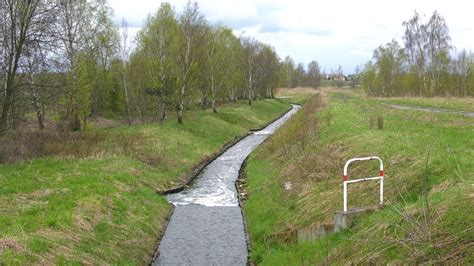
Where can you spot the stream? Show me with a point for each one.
(207, 227)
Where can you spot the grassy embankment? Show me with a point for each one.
(429, 193)
(91, 197)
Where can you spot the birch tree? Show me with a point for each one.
(79, 23)
(124, 53)
(20, 22)
(219, 59)
(252, 66)
(159, 41)
(191, 27)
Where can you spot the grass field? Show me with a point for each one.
(429, 192)
(90, 198)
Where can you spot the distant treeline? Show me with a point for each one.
(427, 65)
(68, 59)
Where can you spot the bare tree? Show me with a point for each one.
(428, 50)
(437, 46)
(414, 44)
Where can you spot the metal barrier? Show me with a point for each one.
(346, 182)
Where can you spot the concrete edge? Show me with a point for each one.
(156, 253)
(242, 176)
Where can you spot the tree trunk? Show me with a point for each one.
(36, 104)
(6, 105)
(180, 112)
(163, 113)
(214, 110)
(127, 104)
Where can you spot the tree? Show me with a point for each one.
(462, 69)
(414, 44)
(252, 65)
(299, 76)
(158, 41)
(269, 75)
(104, 47)
(369, 79)
(427, 46)
(389, 61)
(236, 83)
(124, 52)
(218, 43)
(78, 22)
(191, 24)
(438, 48)
(289, 69)
(21, 22)
(314, 74)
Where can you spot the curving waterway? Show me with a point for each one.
(206, 227)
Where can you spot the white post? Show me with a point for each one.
(381, 191)
(345, 196)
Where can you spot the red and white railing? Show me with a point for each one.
(346, 181)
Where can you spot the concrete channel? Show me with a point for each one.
(207, 227)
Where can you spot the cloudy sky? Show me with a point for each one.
(333, 32)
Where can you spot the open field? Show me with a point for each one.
(91, 197)
(428, 188)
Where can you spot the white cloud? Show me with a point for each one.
(331, 32)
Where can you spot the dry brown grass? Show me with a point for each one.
(8, 243)
(26, 144)
(297, 90)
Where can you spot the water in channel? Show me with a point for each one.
(207, 227)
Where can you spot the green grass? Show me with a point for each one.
(93, 199)
(406, 230)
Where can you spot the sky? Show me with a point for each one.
(332, 32)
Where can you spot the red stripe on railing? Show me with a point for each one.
(381, 172)
(344, 178)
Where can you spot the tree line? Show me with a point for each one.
(68, 59)
(296, 75)
(426, 65)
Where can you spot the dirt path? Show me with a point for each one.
(432, 110)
